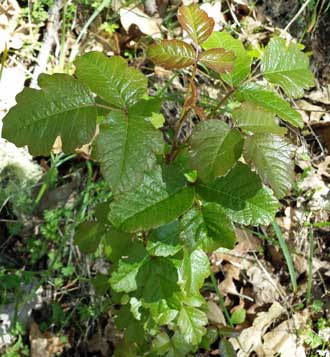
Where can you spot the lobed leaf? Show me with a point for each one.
(195, 268)
(172, 54)
(272, 157)
(196, 23)
(214, 149)
(152, 204)
(191, 324)
(127, 146)
(124, 278)
(269, 101)
(192, 229)
(253, 118)
(164, 241)
(218, 226)
(242, 195)
(284, 64)
(88, 236)
(209, 228)
(62, 107)
(111, 79)
(157, 279)
(242, 61)
(218, 59)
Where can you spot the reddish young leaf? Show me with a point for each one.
(172, 54)
(218, 59)
(196, 23)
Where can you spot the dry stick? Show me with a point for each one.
(53, 26)
(296, 15)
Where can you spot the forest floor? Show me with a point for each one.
(47, 306)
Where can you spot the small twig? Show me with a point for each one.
(75, 46)
(310, 266)
(296, 15)
(53, 26)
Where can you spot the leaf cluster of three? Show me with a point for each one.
(151, 196)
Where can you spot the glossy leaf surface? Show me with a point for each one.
(253, 118)
(242, 61)
(62, 107)
(111, 79)
(196, 23)
(286, 65)
(218, 59)
(127, 146)
(272, 157)
(214, 149)
(150, 205)
(269, 101)
(242, 195)
(172, 54)
(192, 323)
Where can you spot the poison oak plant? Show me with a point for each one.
(172, 204)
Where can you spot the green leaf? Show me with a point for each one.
(124, 278)
(253, 118)
(172, 54)
(111, 79)
(215, 148)
(175, 346)
(88, 236)
(219, 227)
(241, 193)
(154, 203)
(121, 243)
(194, 270)
(161, 313)
(272, 157)
(284, 64)
(157, 279)
(101, 284)
(269, 101)
(127, 146)
(226, 349)
(218, 59)
(238, 316)
(242, 61)
(191, 324)
(195, 22)
(62, 107)
(209, 228)
(164, 241)
(192, 229)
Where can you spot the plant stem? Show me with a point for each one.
(222, 101)
(310, 266)
(183, 115)
(287, 256)
(221, 300)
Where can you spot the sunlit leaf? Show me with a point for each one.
(218, 59)
(62, 107)
(214, 149)
(111, 79)
(286, 65)
(242, 195)
(253, 118)
(152, 204)
(242, 61)
(172, 54)
(272, 156)
(195, 22)
(270, 102)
